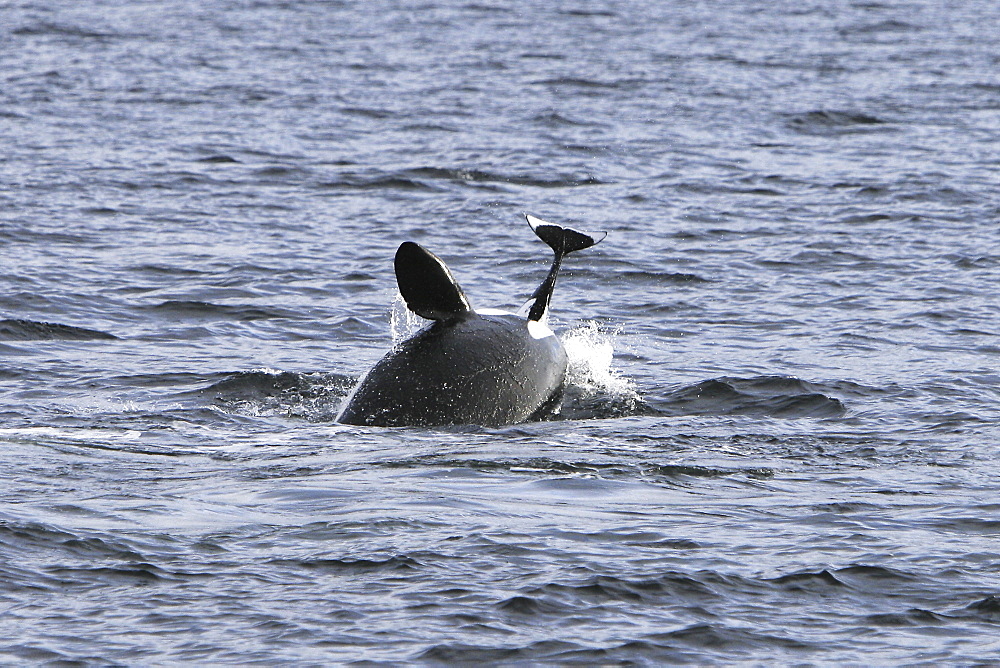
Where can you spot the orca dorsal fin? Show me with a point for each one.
(427, 286)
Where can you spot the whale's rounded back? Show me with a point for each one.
(486, 370)
(468, 367)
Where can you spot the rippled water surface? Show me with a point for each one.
(780, 440)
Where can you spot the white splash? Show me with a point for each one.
(402, 321)
(590, 356)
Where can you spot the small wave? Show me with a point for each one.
(863, 577)
(479, 176)
(604, 13)
(671, 585)
(63, 30)
(100, 211)
(166, 270)
(31, 330)
(865, 219)
(469, 175)
(389, 182)
(889, 26)
(673, 471)
(553, 471)
(986, 609)
(971, 525)
(973, 261)
(556, 119)
(486, 8)
(255, 384)
(178, 178)
(218, 158)
(241, 93)
(280, 174)
(586, 84)
(528, 606)
(912, 617)
(125, 574)
(543, 466)
(718, 636)
(812, 260)
(826, 122)
(466, 654)
(364, 112)
(661, 277)
(807, 581)
(774, 396)
(352, 566)
(199, 310)
(33, 536)
(315, 397)
(430, 127)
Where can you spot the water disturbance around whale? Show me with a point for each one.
(482, 367)
(779, 436)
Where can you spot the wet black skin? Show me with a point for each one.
(485, 370)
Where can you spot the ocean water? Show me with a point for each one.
(780, 440)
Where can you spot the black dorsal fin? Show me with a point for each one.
(427, 286)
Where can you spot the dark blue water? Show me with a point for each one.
(780, 442)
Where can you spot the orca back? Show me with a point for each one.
(488, 370)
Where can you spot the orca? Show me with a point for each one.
(485, 367)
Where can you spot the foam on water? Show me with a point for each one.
(590, 354)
